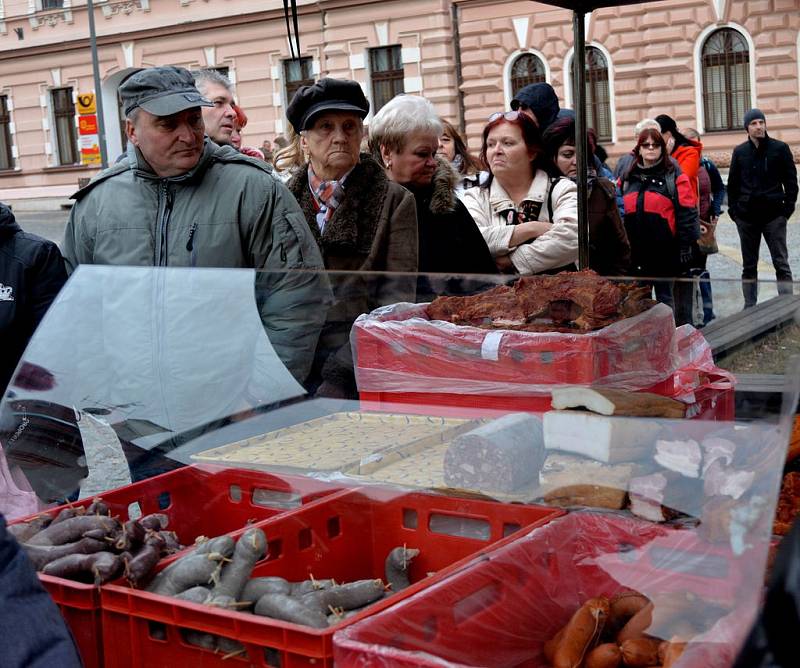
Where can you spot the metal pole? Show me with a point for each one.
(579, 79)
(98, 93)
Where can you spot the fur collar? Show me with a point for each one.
(353, 225)
(443, 195)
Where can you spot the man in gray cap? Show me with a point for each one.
(178, 199)
(762, 193)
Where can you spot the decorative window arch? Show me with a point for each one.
(725, 63)
(598, 93)
(526, 69)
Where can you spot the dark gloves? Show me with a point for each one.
(685, 257)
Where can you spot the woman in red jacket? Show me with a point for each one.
(686, 152)
(660, 214)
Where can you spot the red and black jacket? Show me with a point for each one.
(660, 219)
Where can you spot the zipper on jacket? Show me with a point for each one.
(190, 245)
(163, 226)
(283, 254)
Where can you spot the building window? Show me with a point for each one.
(51, 4)
(6, 157)
(527, 69)
(297, 72)
(598, 94)
(386, 69)
(64, 125)
(726, 80)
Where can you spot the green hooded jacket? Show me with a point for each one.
(227, 211)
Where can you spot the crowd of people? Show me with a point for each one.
(403, 196)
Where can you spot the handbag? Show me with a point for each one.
(707, 243)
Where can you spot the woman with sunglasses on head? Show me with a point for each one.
(660, 214)
(510, 207)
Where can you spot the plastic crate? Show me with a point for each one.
(521, 595)
(346, 536)
(203, 500)
(406, 350)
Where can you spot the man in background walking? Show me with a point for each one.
(762, 192)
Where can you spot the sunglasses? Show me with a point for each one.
(505, 115)
(650, 145)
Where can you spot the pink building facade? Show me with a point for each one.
(702, 61)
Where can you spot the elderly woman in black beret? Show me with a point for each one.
(361, 220)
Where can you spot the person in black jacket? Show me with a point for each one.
(404, 136)
(31, 274)
(34, 633)
(660, 216)
(762, 193)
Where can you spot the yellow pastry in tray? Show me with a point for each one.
(346, 441)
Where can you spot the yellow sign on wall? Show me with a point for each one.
(86, 103)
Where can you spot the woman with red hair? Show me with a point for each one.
(236, 135)
(509, 207)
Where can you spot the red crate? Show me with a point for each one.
(521, 595)
(199, 501)
(402, 351)
(346, 536)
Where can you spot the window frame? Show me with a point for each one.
(64, 118)
(5, 134)
(513, 90)
(604, 135)
(40, 5)
(727, 95)
(395, 77)
(290, 86)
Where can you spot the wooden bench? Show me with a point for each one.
(726, 334)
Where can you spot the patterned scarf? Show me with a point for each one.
(328, 195)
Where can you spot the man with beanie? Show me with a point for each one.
(539, 102)
(762, 193)
(178, 199)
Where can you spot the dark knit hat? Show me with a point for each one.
(666, 123)
(325, 95)
(541, 99)
(753, 115)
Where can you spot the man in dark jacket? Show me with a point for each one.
(31, 274)
(34, 633)
(762, 192)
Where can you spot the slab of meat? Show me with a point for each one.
(566, 302)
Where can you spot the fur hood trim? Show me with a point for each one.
(353, 226)
(443, 196)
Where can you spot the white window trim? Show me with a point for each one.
(507, 71)
(12, 129)
(698, 67)
(282, 78)
(612, 98)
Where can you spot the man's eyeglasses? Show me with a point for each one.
(505, 115)
(650, 145)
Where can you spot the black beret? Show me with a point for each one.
(325, 95)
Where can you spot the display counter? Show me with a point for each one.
(562, 472)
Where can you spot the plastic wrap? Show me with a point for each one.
(521, 595)
(399, 350)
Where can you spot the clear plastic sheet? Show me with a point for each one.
(399, 350)
(523, 594)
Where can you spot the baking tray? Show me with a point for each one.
(348, 442)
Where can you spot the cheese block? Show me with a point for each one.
(569, 480)
(607, 439)
(503, 455)
(607, 401)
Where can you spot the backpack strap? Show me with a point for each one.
(553, 181)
